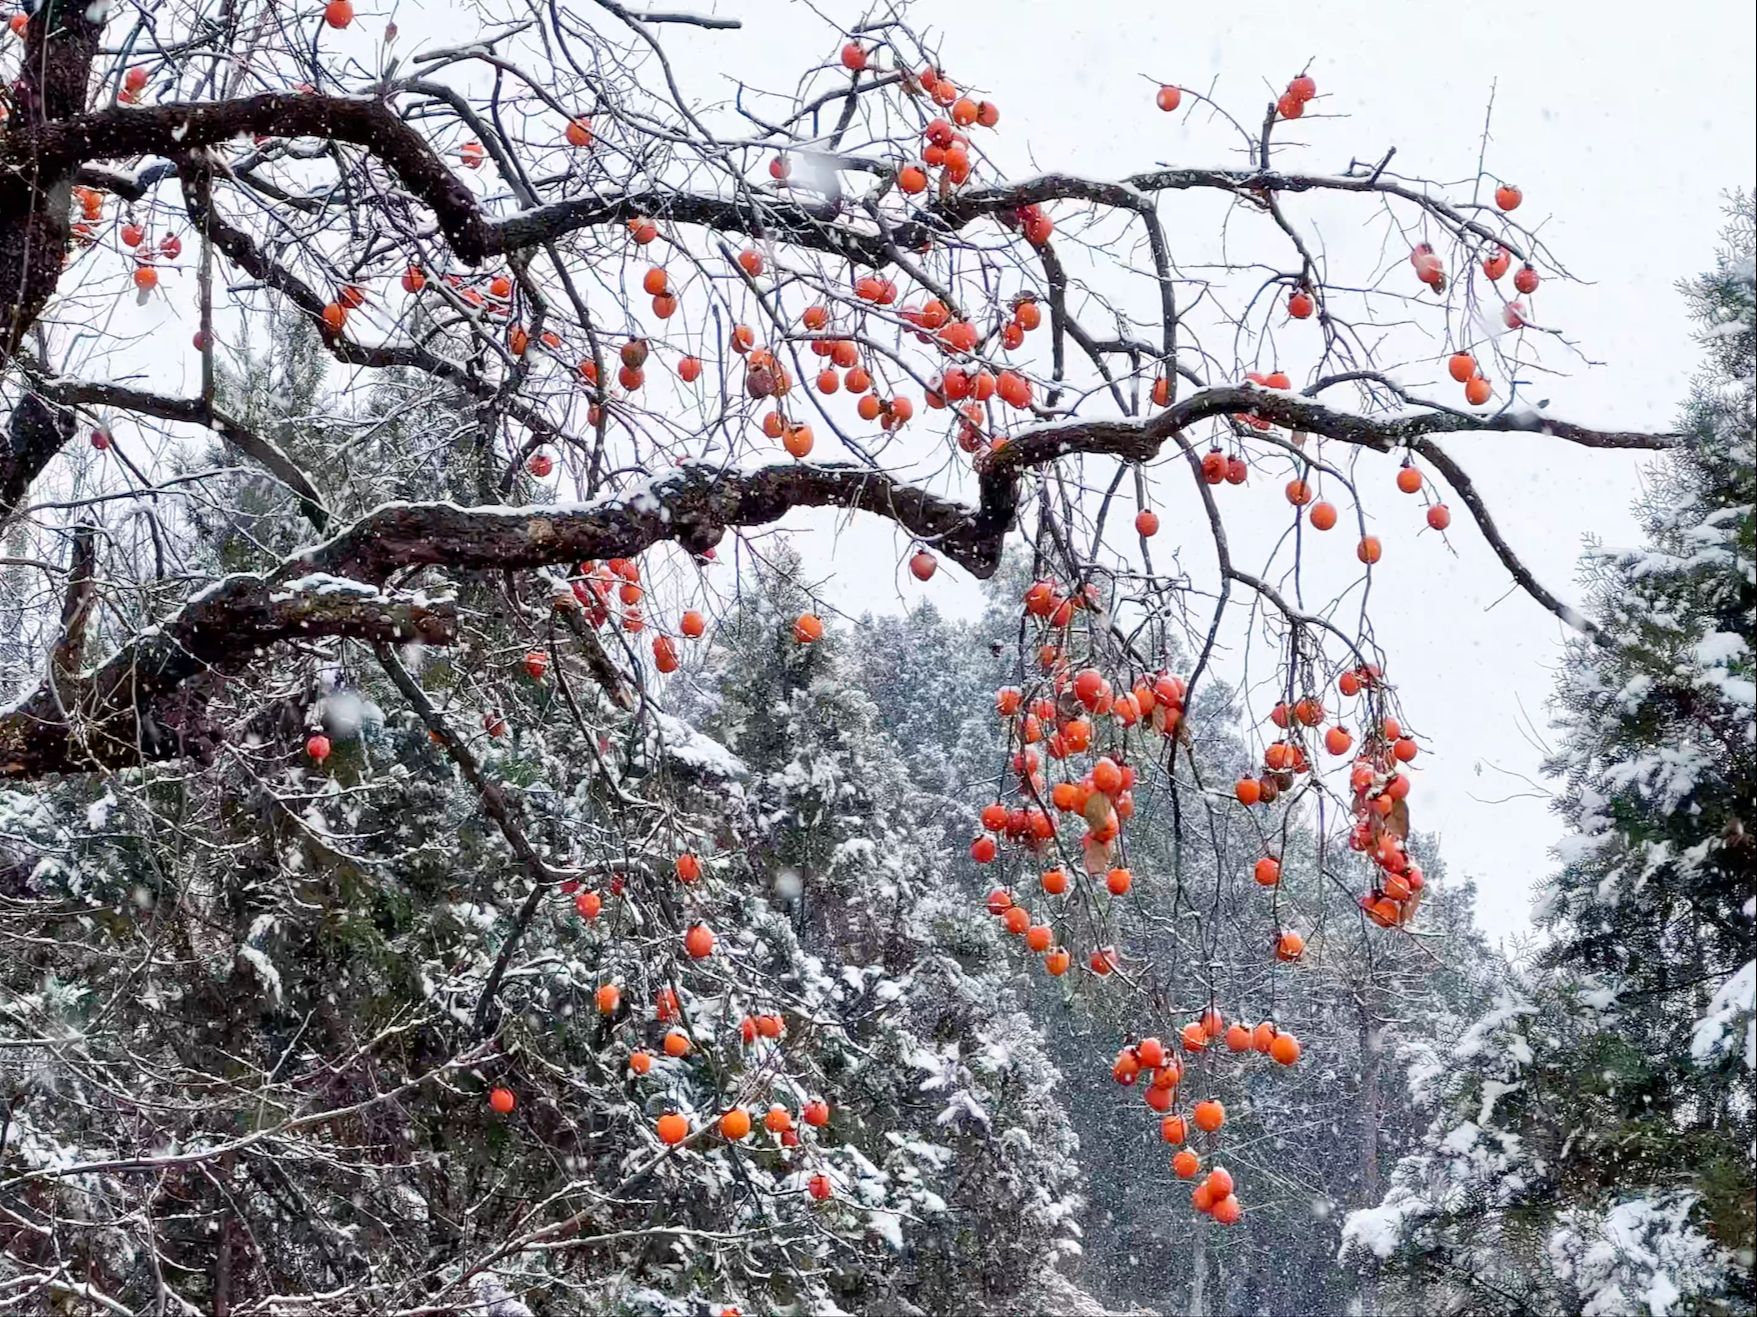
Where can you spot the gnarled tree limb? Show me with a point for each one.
(123, 713)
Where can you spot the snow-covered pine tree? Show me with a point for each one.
(1590, 1150)
(949, 1100)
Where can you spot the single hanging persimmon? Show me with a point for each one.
(1298, 493)
(640, 1062)
(1057, 962)
(1227, 1211)
(1497, 264)
(1247, 791)
(922, 565)
(735, 1124)
(672, 1128)
(1409, 480)
(1439, 516)
(676, 1044)
(589, 905)
(1461, 366)
(689, 867)
(539, 464)
(502, 1100)
(1285, 1049)
(1238, 1038)
(1369, 550)
(1289, 946)
(338, 13)
(1186, 1163)
(1300, 305)
(579, 132)
(609, 997)
(1508, 197)
(808, 628)
(689, 369)
(854, 56)
(1526, 280)
(692, 624)
(1322, 516)
(1267, 871)
(699, 941)
(1478, 391)
(1338, 741)
(778, 1120)
(317, 746)
(819, 1187)
(1168, 98)
(1209, 1115)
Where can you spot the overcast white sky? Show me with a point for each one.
(1623, 133)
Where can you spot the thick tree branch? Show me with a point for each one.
(76, 606)
(122, 713)
(34, 433)
(692, 505)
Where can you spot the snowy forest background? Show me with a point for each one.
(460, 855)
(1562, 1126)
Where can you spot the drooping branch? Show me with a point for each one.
(148, 701)
(1454, 475)
(194, 411)
(494, 803)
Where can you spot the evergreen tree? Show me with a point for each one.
(1591, 1144)
(952, 1097)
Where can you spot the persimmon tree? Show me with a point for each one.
(573, 333)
